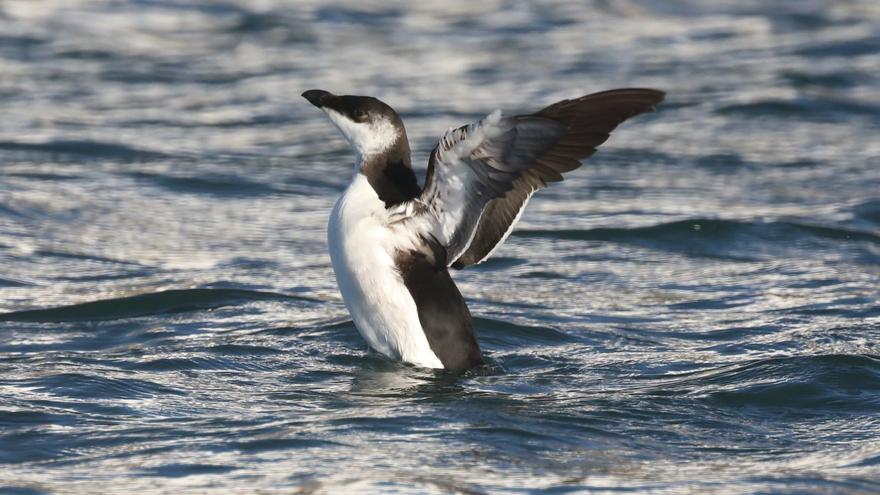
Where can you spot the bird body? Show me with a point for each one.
(362, 245)
(392, 242)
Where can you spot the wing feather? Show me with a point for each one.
(480, 176)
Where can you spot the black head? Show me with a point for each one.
(359, 109)
(376, 132)
(370, 125)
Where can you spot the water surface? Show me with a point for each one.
(696, 310)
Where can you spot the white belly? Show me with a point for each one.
(362, 252)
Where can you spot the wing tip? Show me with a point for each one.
(651, 96)
(644, 99)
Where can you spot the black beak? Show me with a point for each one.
(318, 97)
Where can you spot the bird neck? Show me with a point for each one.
(390, 173)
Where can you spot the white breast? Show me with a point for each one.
(362, 252)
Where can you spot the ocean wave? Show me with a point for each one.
(79, 386)
(226, 186)
(9, 282)
(507, 335)
(812, 384)
(727, 239)
(94, 149)
(868, 213)
(165, 302)
(810, 109)
(843, 48)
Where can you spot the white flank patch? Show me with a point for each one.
(362, 248)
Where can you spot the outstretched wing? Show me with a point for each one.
(481, 176)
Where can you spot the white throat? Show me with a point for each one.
(367, 138)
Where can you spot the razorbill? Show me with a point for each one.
(392, 242)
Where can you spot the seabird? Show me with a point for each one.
(392, 242)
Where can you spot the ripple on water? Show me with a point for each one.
(726, 239)
(692, 311)
(165, 302)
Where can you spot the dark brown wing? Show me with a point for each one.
(588, 121)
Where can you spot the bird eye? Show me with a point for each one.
(360, 115)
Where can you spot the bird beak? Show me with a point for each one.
(318, 97)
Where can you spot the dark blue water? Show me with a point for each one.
(696, 310)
